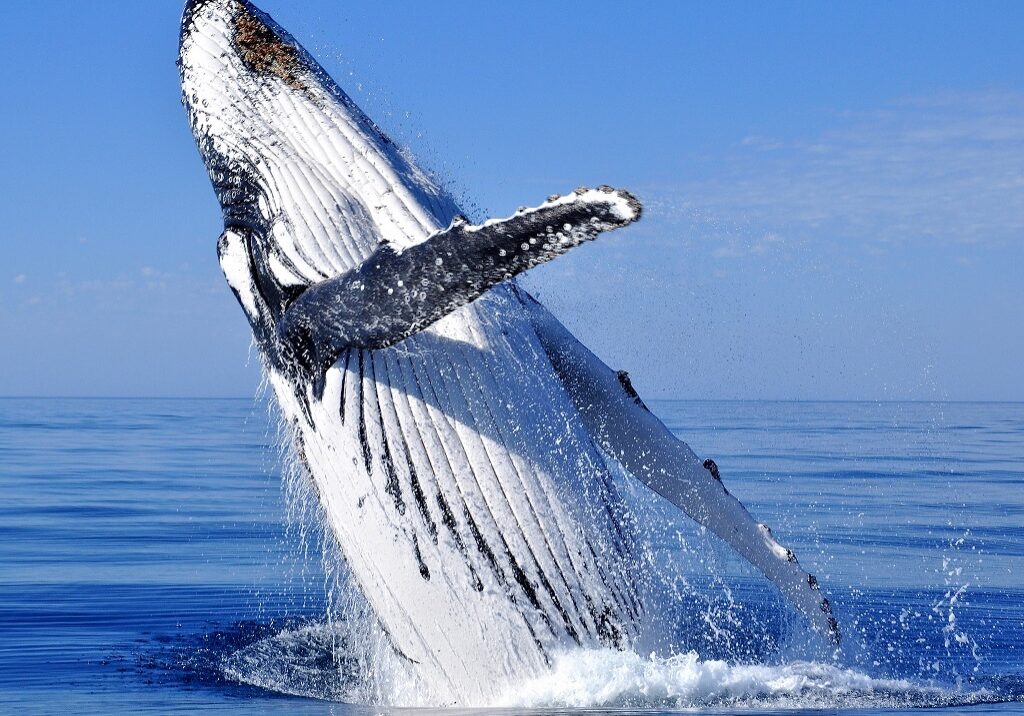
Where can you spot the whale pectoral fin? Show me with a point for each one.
(622, 426)
(394, 294)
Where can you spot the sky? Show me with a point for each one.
(834, 192)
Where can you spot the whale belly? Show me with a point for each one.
(476, 516)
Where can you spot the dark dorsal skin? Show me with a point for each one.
(395, 294)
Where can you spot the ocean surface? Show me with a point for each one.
(149, 562)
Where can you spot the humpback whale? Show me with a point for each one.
(462, 444)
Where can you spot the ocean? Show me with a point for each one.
(149, 562)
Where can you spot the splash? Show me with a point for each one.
(304, 661)
(610, 679)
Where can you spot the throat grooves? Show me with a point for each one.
(363, 441)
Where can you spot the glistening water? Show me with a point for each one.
(146, 563)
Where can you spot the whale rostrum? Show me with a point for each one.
(463, 445)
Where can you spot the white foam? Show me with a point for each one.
(616, 679)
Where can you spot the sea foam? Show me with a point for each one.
(617, 679)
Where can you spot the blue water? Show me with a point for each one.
(143, 544)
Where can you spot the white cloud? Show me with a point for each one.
(946, 168)
(20, 278)
(728, 251)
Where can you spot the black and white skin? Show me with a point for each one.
(461, 442)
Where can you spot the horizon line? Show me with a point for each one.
(652, 400)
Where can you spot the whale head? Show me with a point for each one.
(292, 159)
(236, 69)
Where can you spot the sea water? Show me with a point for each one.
(149, 562)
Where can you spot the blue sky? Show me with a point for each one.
(835, 192)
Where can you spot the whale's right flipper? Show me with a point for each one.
(621, 425)
(396, 293)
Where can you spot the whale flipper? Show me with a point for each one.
(398, 292)
(624, 428)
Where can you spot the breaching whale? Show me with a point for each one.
(461, 442)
